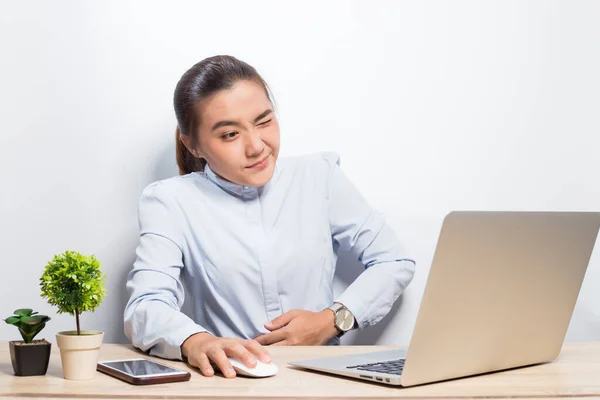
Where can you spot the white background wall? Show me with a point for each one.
(433, 106)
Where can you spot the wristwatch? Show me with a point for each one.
(343, 318)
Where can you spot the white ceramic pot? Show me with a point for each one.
(79, 353)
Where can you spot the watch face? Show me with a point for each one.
(344, 319)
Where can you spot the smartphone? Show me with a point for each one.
(142, 371)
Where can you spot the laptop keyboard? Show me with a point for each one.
(393, 367)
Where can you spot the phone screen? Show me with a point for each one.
(141, 367)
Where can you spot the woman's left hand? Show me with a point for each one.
(300, 328)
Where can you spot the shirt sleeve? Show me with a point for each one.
(362, 231)
(152, 317)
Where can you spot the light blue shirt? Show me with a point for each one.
(249, 254)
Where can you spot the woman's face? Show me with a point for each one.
(239, 134)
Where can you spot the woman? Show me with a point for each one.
(254, 237)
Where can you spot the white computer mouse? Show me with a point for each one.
(261, 370)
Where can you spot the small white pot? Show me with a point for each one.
(79, 353)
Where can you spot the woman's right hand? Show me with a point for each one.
(203, 348)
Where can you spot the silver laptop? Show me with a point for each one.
(500, 294)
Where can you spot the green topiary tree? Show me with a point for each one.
(28, 322)
(74, 283)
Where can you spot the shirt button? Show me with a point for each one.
(245, 187)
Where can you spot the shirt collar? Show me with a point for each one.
(244, 191)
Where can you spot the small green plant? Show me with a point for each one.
(74, 283)
(28, 322)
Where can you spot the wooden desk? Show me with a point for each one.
(575, 374)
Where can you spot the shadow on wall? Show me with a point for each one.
(166, 165)
(347, 270)
(120, 252)
(117, 295)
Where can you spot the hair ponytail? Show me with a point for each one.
(186, 161)
(202, 80)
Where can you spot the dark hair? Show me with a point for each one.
(204, 79)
